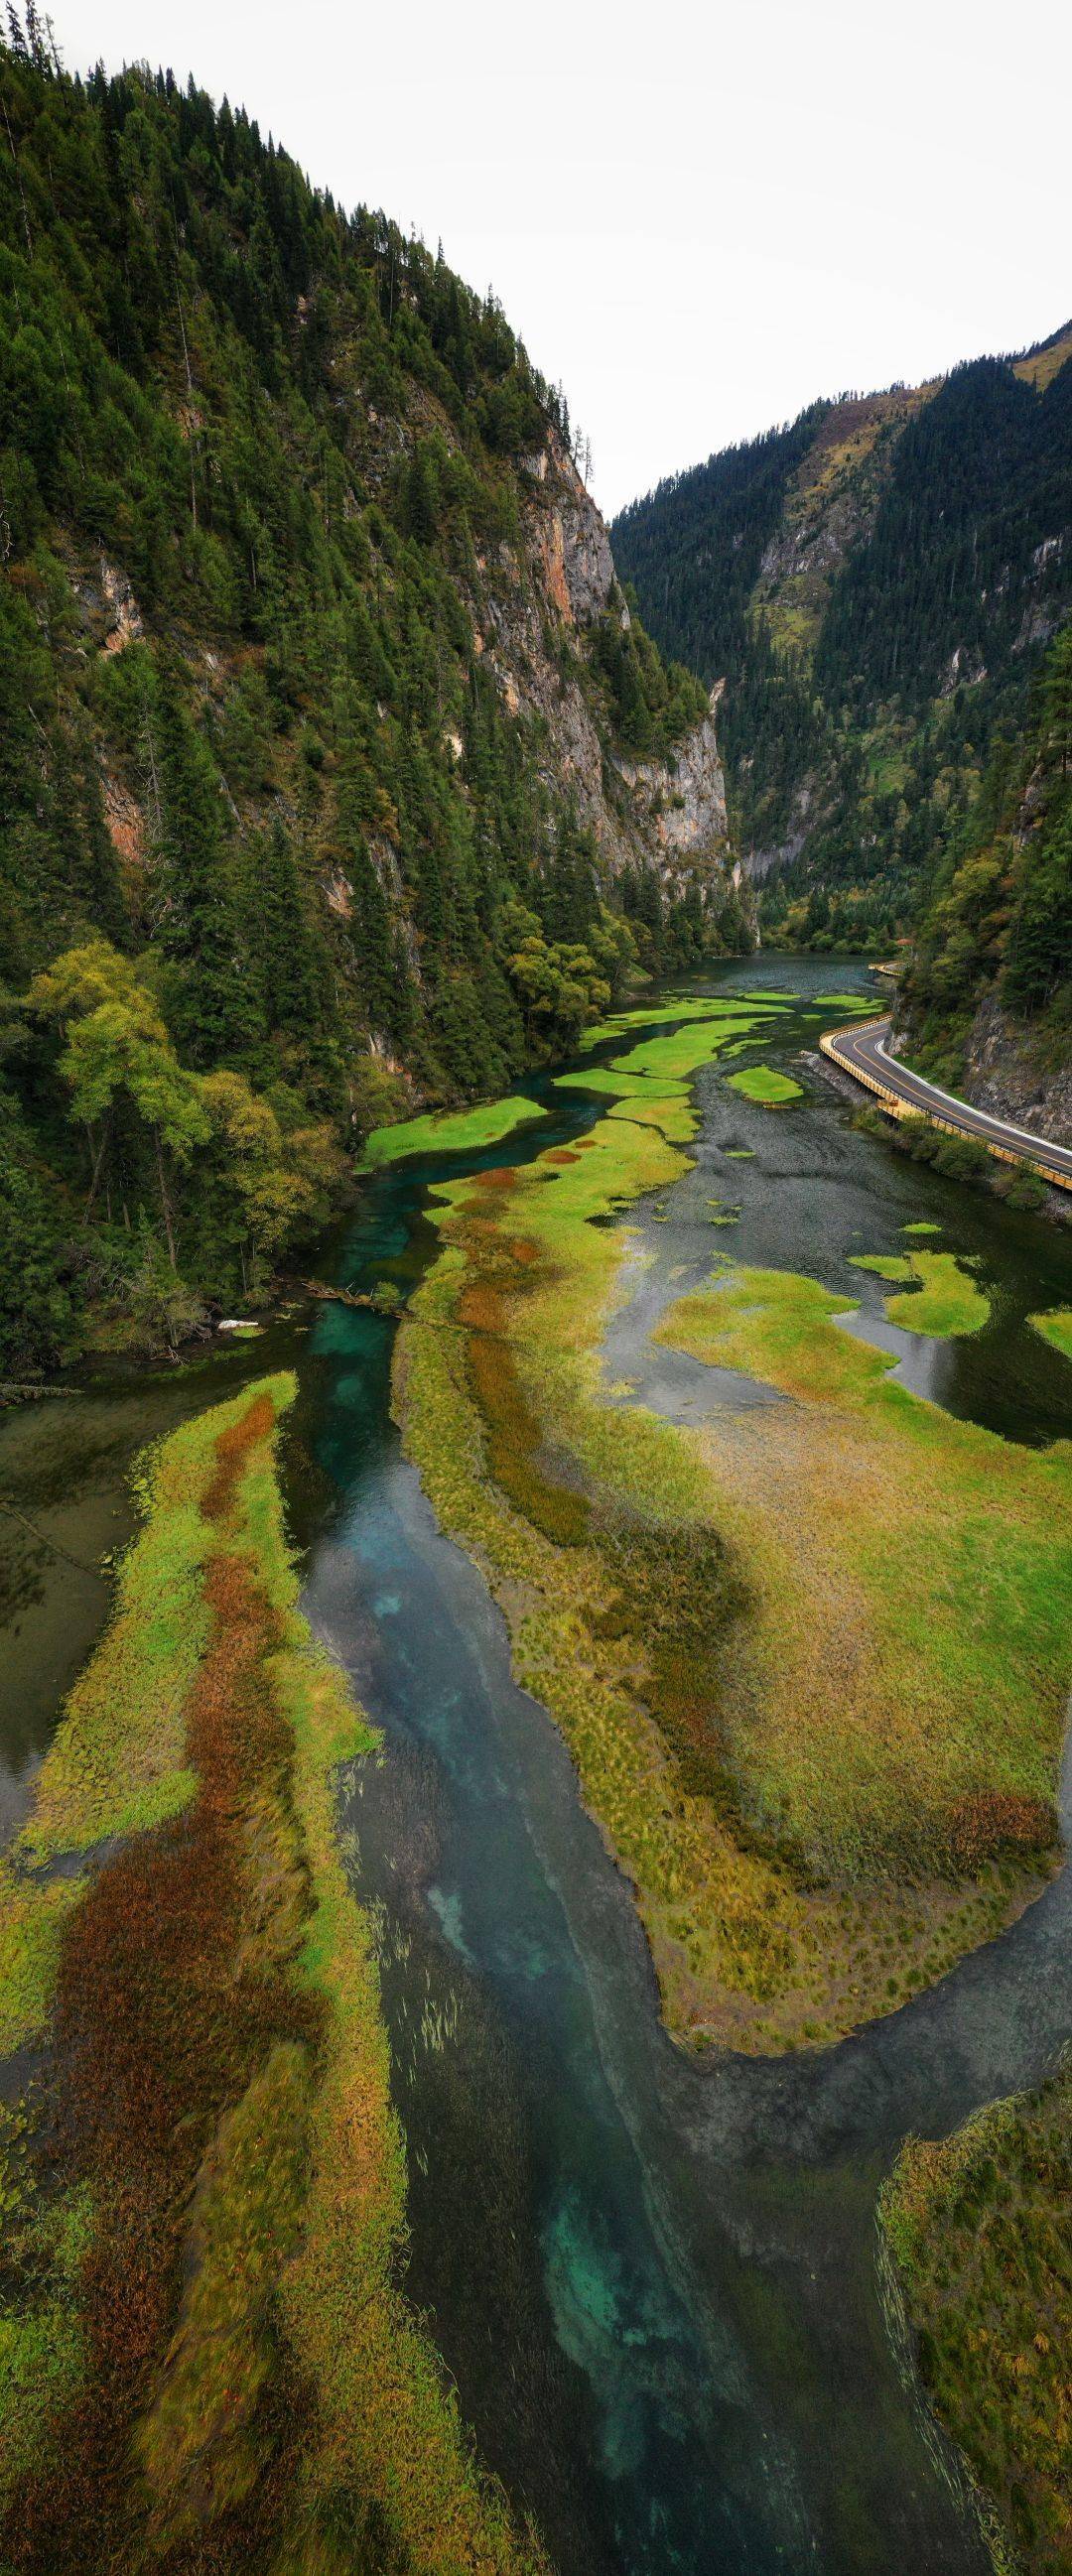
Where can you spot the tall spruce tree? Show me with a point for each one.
(216, 1008)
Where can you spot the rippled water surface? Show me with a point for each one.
(655, 2280)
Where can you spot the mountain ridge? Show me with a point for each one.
(332, 755)
(876, 583)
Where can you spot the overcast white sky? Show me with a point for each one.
(699, 217)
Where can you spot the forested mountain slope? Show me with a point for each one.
(876, 586)
(986, 1006)
(330, 756)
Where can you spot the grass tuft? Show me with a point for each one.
(942, 1299)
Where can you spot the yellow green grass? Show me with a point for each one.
(449, 1131)
(1056, 1326)
(941, 1298)
(913, 1583)
(980, 2230)
(761, 1082)
(791, 1773)
(711, 1007)
(886, 1265)
(296, 2387)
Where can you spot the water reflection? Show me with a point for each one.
(926, 1366)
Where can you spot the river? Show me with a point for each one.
(655, 2280)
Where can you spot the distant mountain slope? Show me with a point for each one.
(319, 698)
(875, 585)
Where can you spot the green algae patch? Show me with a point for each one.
(1056, 1327)
(885, 1265)
(672, 1117)
(204, 2340)
(661, 1066)
(921, 1226)
(916, 1643)
(665, 1063)
(942, 1299)
(781, 997)
(948, 1301)
(449, 1131)
(619, 1084)
(979, 2234)
(761, 1082)
(709, 1007)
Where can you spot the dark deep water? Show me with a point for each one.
(654, 2280)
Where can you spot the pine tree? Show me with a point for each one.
(216, 1010)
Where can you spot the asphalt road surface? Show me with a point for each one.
(864, 1050)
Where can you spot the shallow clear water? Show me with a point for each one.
(654, 2280)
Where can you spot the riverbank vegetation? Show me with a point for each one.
(1056, 1327)
(736, 1669)
(206, 2355)
(957, 1158)
(980, 2229)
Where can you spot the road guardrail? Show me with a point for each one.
(831, 1044)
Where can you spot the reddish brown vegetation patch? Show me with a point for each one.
(997, 1820)
(232, 1450)
(172, 1988)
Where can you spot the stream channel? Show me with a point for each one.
(655, 2279)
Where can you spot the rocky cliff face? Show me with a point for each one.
(534, 607)
(1015, 1076)
(554, 591)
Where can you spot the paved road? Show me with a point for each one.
(864, 1051)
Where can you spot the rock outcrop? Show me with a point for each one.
(670, 811)
(1016, 1077)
